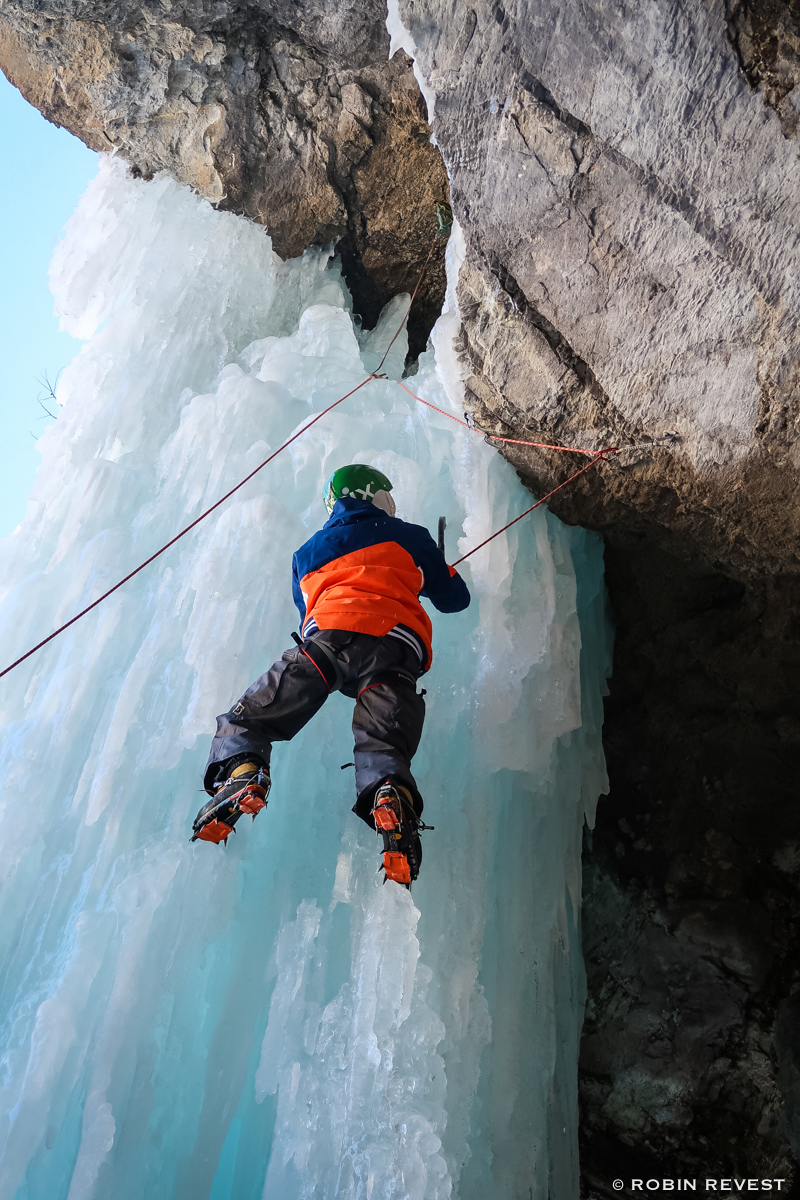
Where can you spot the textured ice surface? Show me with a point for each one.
(267, 1020)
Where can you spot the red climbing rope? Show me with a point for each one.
(411, 301)
(183, 532)
(492, 437)
(596, 456)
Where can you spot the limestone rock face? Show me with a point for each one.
(631, 206)
(290, 113)
(626, 176)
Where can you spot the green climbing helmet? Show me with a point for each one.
(358, 481)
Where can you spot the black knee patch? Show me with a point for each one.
(324, 661)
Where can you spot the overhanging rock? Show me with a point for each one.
(291, 114)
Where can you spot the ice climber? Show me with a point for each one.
(357, 584)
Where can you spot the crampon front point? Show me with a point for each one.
(398, 824)
(245, 792)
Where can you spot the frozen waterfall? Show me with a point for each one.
(266, 1022)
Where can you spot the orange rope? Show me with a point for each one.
(492, 437)
(596, 455)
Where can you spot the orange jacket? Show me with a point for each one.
(365, 571)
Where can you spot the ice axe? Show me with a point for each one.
(442, 527)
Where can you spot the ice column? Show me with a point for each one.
(267, 1021)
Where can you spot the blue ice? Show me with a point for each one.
(266, 1021)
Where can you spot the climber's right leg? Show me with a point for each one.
(273, 709)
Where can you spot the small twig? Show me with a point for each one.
(50, 391)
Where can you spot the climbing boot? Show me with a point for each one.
(398, 824)
(245, 791)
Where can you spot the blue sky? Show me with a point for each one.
(46, 170)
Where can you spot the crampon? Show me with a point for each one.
(245, 792)
(398, 824)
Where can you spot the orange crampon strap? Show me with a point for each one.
(401, 860)
(215, 831)
(385, 817)
(252, 800)
(396, 867)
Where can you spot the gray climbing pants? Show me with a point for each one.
(379, 673)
